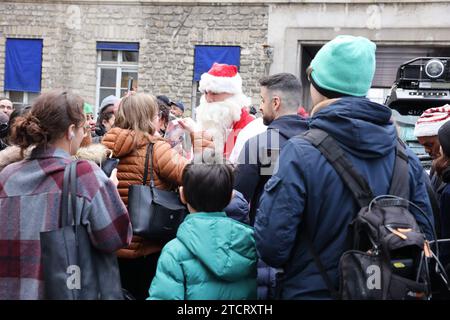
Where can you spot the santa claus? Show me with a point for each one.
(222, 111)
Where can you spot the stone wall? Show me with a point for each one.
(167, 35)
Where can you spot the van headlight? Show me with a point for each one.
(434, 68)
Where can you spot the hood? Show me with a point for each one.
(364, 128)
(120, 141)
(226, 247)
(13, 154)
(95, 152)
(289, 126)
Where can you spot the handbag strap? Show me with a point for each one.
(65, 218)
(69, 192)
(149, 158)
(73, 196)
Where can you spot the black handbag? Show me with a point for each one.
(73, 269)
(155, 214)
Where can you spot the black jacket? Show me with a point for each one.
(258, 157)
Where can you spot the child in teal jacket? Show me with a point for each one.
(213, 257)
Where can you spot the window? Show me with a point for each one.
(19, 98)
(23, 64)
(116, 63)
(204, 58)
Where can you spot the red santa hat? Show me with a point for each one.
(431, 120)
(221, 78)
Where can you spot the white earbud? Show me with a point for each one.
(72, 135)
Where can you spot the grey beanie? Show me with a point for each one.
(109, 100)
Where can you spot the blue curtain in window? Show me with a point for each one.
(23, 64)
(122, 46)
(205, 56)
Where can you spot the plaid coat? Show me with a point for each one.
(30, 199)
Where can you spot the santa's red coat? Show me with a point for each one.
(245, 119)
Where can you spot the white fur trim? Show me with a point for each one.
(220, 84)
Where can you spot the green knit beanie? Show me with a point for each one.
(88, 108)
(345, 65)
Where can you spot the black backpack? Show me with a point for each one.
(390, 256)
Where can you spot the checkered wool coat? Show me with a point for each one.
(30, 199)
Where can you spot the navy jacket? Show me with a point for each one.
(258, 157)
(445, 217)
(307, 192)
(238, 208)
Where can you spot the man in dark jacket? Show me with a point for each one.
(306, 193)
(280, 99)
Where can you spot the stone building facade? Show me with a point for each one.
(273, 36)
(167, 35)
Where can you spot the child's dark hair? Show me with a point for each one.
(208, 187)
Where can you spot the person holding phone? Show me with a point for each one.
(137, 125)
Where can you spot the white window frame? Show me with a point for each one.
(119, 66)
(25, 99)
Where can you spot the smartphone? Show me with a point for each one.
(109, 165)
(130, 84)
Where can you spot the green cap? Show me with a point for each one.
(346, 65)
(88, 108)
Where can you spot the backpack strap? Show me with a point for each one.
(357, 185)
(331, 150)
(354, 181)
(400, 176)
(399, 181)
(334, 293)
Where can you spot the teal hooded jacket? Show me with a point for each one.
(213, 257)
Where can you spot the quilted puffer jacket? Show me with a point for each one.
(213, 257)
(168, 165)
(168, 168)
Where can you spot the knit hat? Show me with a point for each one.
(109, 100)
(344, 66)
(431, 120)
(87, 108)
(221, 78)
(444, 138)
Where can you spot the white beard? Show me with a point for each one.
(217, 118)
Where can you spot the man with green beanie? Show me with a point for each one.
(306, 197)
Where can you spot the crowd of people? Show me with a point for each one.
(257, 192)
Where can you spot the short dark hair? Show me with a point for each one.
(285, 84)
(208, 187)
